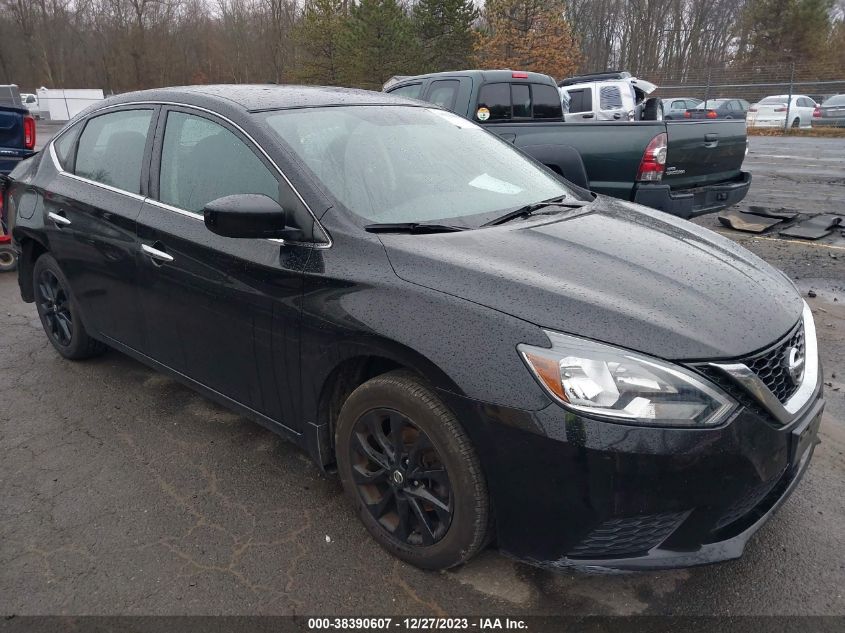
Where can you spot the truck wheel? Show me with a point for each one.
(8, 259)
(411, 473)
(59, 312)
(653, 110)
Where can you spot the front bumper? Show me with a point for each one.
(688, 203)
(573, 492)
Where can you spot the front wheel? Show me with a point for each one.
(411, 473)
(796, 124)
(8, 259)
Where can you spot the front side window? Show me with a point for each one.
(202, 161)
(111, 149)
(411, 91)
(407, 164)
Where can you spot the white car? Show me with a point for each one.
(772, 111)
(610, 96)
(30, 102)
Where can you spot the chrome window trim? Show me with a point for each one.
(785, 413)
(88, 181)
(327, 244)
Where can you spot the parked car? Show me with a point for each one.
(685, 169)
(831, 113)
(10, 96)
(17, 137)
(483, 350)
(772, 111)
(30, 102)
(609, 96)
(675, 107)
(719, 109)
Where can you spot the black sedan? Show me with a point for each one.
(831, 113)
(719, 109)
(481, 350)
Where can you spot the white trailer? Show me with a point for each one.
(59, 104)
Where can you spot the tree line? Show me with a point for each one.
(120, 45)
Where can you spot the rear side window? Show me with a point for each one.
(546, 102)
(411, 91)
(202, 161)
(610, 98)
(64, 147)
(111, 149)
(679, 105)
(444, 93)
(580, 100)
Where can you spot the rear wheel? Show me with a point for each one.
(411, 473)
(59, 312)
(796, 124)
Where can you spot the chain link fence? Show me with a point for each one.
(752, 83)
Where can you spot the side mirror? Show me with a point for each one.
(246, 215)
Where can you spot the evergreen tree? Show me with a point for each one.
(379, 43)
(321, 35)
(529, 35)
(785, 30)
(445, 32)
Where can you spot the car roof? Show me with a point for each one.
(486, 76)
(262, 97)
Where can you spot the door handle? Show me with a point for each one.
(711, 137)
(59, 220)
(587, 116)
(158, 257)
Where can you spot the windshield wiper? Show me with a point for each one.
(528, 209)
(412, 227)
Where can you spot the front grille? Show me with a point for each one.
(770, 366)
(630, 535)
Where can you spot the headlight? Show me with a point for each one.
(615, 383)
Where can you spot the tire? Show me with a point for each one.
(59, 312)
(653, 110)
(439, 489)
(796, 124)
(8, 259)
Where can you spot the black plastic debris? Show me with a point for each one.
(782, 213)
(748, 222)
(813, 228)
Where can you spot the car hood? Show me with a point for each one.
(612, 272)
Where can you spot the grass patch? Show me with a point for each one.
(830, 132)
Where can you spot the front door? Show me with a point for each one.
(223, 311)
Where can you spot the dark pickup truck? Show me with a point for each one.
(685, 168)
(17, 137)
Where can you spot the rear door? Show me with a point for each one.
(704, 152)
(90, 209)
(579, 103)
(223, 311)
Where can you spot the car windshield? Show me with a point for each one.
(773, 101)
(392, 164)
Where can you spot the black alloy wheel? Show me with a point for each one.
(401, 478)
(411, 472)
(59, 312)
(54, 305)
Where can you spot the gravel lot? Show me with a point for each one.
(126, 493)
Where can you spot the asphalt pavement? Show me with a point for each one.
(124, 492)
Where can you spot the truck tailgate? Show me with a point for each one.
(11, 128)
(704, 152)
